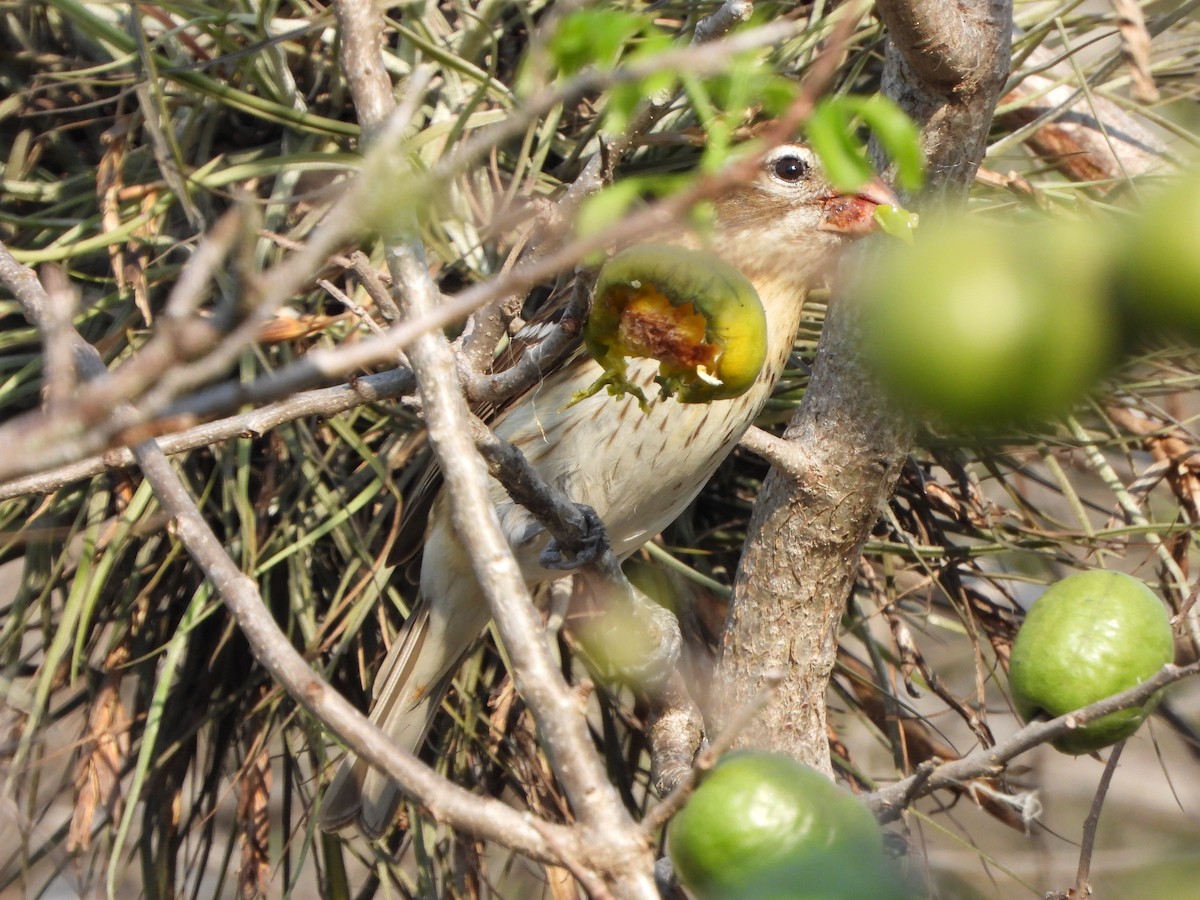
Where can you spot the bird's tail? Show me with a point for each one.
(408, 691)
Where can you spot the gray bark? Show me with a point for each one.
(946, 65)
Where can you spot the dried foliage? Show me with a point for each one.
(143, 748)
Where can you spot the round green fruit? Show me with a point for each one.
(1091, 635)
(1159, 267)
(698, 316)
(979, 326)
(763, 826)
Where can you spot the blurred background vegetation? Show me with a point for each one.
(141, 748)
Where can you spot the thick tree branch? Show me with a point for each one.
(806, 534)
(944, 45)
(945, 65)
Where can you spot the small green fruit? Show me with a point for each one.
(1091, 635)
(698, 316)
(1159, 266)
(763, 826)
(979, 326)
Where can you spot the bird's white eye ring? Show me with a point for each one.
(790, 168)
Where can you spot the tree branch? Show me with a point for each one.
(489, 819)
(613, 845)
(888, 803)
(325, 403)
(945, 64)
(806, 534)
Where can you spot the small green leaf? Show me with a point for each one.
(623, 101)
(697, 90)
(899, 136)
(842, 155)
(776, 94)
(594, 37)
(607, 206)
(831, 133)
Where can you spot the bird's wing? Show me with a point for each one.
(415, 516)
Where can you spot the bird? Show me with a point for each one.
(637, 467)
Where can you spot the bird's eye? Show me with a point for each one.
(790, 168)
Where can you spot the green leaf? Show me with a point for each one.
(623, 101)
(594, 37)
(831, 133)
(899, 136)
(606, 207)
(842, 155)
(776, 94)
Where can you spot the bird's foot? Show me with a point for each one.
(589, 550)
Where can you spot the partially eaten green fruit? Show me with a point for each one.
(698, 316)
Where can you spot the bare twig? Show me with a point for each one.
(728, 16)
(273, 650)
(449, 422)
(324, 402)
(559, 720)
(561, 724)
(347, 301)
(1082, 888)
(1135, 47)
(887, 803)
(787, 456)
(57, 338)
(537, 360)
(487, 818)
(360, 30)
(740, 719)
(374, 286)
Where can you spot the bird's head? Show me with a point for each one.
(789, 218)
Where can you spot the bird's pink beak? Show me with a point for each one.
(854, 214)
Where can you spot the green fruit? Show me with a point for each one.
(1159, 269)
(698, 316)
(1091, 635)
(763, 826)
(980, 326)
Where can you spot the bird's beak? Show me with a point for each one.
(854, 214)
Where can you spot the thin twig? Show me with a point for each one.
(887, 803)
(58, 338)
(538, 359)
(489, 819)
(787, 456)
(1082, 888)
(325, 402)
(660, 814)
(560, 722)
(729, 15)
